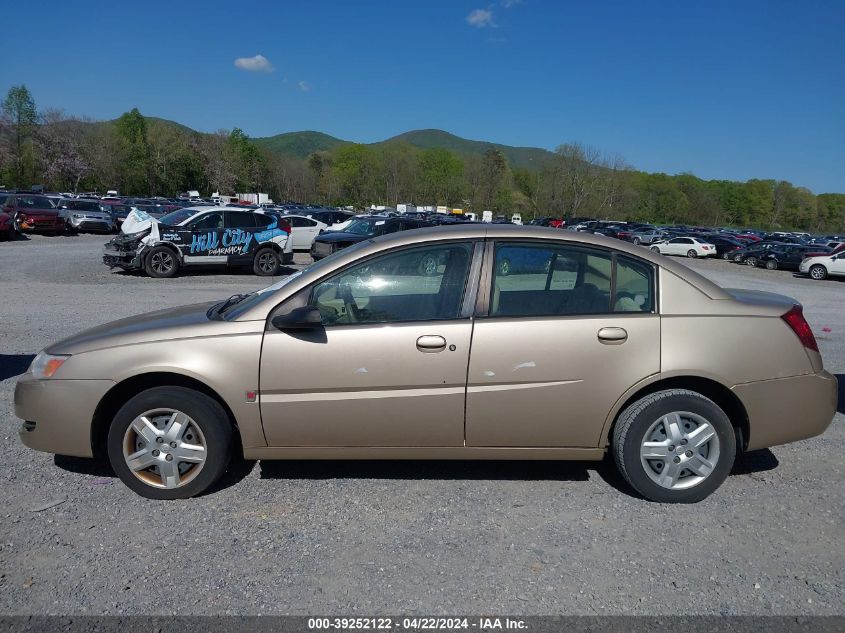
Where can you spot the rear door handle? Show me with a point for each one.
(431, 343)
(612, 335)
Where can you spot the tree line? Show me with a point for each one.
(145, 157)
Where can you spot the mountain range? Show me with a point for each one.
(301, 144)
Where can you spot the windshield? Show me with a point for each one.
(80, 205)
(364, 226)
(174, 218)
(34, 202)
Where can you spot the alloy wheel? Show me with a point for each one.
(267, 262)
(164, 448)
(680, 450)
(162, 262)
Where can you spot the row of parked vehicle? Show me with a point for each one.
(816, 256)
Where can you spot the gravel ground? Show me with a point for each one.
(413, 537)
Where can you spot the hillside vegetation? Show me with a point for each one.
(149, 156)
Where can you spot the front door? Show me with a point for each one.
(388, 367)
(567, 331)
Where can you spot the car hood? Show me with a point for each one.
(173, 323)
(341, 236)
(32, 212)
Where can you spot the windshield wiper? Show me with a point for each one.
(234, 299)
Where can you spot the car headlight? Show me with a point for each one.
(46, 365)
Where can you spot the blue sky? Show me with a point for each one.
(731, 90)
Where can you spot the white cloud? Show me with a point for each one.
(304, 86)
(481, 18)
(257, 64)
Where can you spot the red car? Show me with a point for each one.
(5, 226)
(33, 214)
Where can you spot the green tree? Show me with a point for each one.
(19, 122)
(440, 176)
(134, 148)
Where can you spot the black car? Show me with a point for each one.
(361, 229)
(788, 257)
(725, 245)
(327, 216)
(751, 254)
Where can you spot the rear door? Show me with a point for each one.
(561, 333)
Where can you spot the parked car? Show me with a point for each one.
(303, 229)
(751, 254)
(725, 246)
(117, 211)
(85, 215)
(197, 236)
(6, 230)
(787, 257)
(33, 214)
(823, 266)
(360, 229)
(618, 231)
(362, 356)
(687, 246)
(335, 220)
(648, 236)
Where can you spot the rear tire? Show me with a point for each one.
(818, 272)
(161, 263)
(266, 262)
(771, 265)
(674, 446)
(751, 261)
(636, 241)
(692, 254)
(201, 423)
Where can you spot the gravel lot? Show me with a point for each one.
(415, 537)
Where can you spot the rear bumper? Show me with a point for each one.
(57, 414)
(788, 409)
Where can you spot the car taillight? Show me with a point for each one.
(706, 248)
(795, 319)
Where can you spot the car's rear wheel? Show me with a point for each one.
(726, 255)
(266, 262)
(170, 443)
(818, 272)
(771, 265)
(636, 241)
(674, 446)
(751, 261)
(692, 254)
(161, 263)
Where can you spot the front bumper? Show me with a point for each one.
(123, 254)
(57, 414)
(91, 224)
(37, 226)
(804, 267)
(786, 410)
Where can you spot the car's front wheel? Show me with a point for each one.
(674, 446)
(818, 272)
(636, 241)
(751, 261)
(161, 263)
(655, 249)
(170, 443)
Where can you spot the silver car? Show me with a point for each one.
(85, 215)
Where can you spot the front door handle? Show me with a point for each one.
(431, 343)
(613, 335)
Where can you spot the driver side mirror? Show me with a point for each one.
(304, 318)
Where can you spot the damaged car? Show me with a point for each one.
(198, 236)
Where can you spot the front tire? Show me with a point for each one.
(674, 446)
(818, 272)
(655, 249)
(170, 443)
(161, 263)
(751, 261)
(636, 241)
